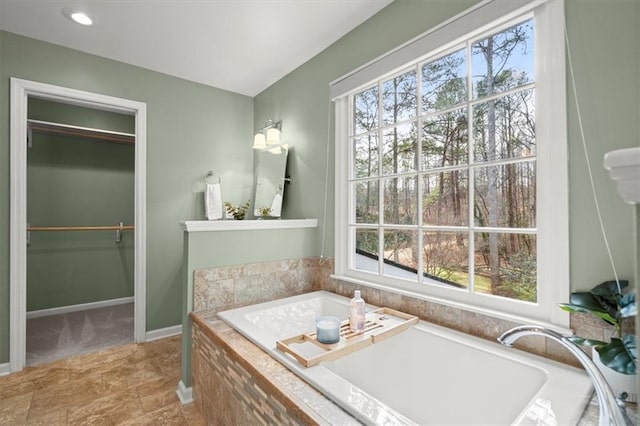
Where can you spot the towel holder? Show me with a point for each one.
(210, 175)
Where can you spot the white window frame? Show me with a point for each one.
(552, 159)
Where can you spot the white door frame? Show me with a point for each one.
(21, 90)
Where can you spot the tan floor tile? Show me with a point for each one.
(192, 415)
(170, 363)
(130, 384)
(169, 415)
(116, 376)
(55, 416)
(143, 372)
(98, 362)
(157, 394)
(156, 348)
(92, 420)
(14, 410)
(31, 379)
(108, 409)
(71, 394)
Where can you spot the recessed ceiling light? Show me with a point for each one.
(77, 16)
(81, 18)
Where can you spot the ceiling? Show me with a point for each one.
(239, 45)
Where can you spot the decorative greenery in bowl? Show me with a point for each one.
(607, 302)
(238, 212)
(264, 211)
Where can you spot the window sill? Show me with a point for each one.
(246, 225)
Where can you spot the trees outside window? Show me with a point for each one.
(443, 169)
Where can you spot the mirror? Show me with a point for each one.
(269, 172)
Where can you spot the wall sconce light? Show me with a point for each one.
(268, 136)
(259, 141)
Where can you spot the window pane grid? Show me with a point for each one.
(423, 132)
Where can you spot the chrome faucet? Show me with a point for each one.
(611, 413)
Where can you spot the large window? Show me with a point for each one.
(443, 187)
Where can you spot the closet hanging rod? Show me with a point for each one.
(88, 132)
(81, 228)
(118, 228)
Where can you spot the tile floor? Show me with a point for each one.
(125, 385)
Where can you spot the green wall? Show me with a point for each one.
(191, 128)
(73, 181)
(604, 39)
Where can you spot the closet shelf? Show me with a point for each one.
(86, 132)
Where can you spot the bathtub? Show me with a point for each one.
(427, 375)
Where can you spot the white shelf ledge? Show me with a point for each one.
(246, 225)
(624, 168)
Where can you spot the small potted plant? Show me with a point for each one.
(609, 302)
(238, 212)
(264, 211)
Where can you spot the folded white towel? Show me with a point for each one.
(276, 205)
(213, 201)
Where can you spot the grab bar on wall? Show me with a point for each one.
(118, 228)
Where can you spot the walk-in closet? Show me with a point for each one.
(80, 240)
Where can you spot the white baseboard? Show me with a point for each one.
(161, 333)
(6, 369)
(80, 307)
(185, 393)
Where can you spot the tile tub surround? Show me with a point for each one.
(233, 286)
(218, 289)
(235, 382)
(229, 287)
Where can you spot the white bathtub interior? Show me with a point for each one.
(425, 375)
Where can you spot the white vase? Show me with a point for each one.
(617, 381)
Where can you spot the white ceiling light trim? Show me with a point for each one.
(81, 18)
(77, 16)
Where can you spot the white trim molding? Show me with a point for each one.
(185, 394)
(21, 90)
(80, 307)
(161, 333)
(246, 225)
(5, 369)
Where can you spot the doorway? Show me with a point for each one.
(21, 92)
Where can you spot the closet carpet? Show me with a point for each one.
(61, 336)
(134, 384)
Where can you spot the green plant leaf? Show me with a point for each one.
(628, 305)
(620, 355)
(609, 289)
(587, 342)
(585, 302)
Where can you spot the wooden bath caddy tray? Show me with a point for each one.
(379, 325)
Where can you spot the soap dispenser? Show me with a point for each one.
(357, 313)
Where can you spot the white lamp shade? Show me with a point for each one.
(273, 136)
(259, 141)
